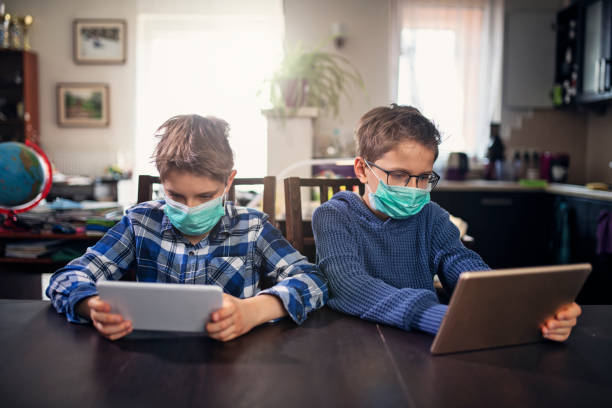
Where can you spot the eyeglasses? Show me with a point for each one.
(401, 178)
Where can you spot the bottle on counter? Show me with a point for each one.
(533, 172)
(524, 165)
(495, 154)
(559, 167)
(516, 166)
(545, 162)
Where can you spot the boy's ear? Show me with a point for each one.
(230, 179)
(360, 169)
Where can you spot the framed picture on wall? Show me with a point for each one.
(99, 41)
(83, 105)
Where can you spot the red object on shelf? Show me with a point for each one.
(12, 234)
(545, 161)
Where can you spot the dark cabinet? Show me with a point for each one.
(20, 278)
(582, 219)
(568, 52)
(597, 50)
(515, 229)
(18, 96)
(510, 229)
(583, 53)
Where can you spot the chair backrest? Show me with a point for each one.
(294, 224)
(145, 191)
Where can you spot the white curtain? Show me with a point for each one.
(446, 59)
(211, 62)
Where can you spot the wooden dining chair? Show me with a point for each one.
(145, 191)
(297, 230)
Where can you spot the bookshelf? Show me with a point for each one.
(20, 278)
(19, 96)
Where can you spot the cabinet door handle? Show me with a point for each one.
(607, 83)
(496, 202)
(602, 75)
(596, 78)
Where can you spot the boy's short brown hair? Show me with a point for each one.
(194, 144)
(382, 128)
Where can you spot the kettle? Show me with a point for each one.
(457, 166)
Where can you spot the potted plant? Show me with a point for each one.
(312, 78)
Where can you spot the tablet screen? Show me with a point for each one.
(162, 306)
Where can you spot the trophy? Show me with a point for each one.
(26, 22)
(14, 30)
(4, 30)
(16, 33)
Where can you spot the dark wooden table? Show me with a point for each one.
(332, 360)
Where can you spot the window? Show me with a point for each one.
(207, 65)
(448, 59)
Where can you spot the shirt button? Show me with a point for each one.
(191, 253)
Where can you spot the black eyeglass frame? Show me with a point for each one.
(433, 182)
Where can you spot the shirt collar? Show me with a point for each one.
(228, 220)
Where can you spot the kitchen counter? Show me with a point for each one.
(511, 186)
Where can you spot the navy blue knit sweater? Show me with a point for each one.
(382, 270)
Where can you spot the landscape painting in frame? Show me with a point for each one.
(83, 105)
(99, 41)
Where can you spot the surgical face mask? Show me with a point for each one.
(196, 220)
(397, 202)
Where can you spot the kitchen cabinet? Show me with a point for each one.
(529, 59)
(18, 96)
(521, 228)
(568, 52)
(510, 229)
(597, 50)
(582, 219)
(583, 53)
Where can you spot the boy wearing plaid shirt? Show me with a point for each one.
(194, 237)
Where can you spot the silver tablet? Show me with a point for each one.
(162, 306)
(506, 306)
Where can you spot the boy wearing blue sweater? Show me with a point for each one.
(380, 251)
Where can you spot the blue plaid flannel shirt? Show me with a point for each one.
(244, 254)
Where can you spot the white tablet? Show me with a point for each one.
(162, 306)
(506, 306)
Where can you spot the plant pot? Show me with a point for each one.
(294, 91)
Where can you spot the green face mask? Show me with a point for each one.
(397, 202)
(196, 220)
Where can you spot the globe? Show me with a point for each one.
(25, 176)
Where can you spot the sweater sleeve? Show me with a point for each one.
(448, 256)
(355, 292)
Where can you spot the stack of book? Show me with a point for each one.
(97, 226)
(31, 249)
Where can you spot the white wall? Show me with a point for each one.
(367, 23)
(81, 150)
(89, 150)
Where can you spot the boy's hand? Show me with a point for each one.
(233, 319)
(558, 328)
(111, 326)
